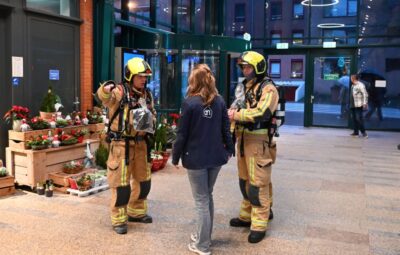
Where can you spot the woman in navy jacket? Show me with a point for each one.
(203, 144)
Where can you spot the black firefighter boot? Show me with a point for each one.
(236, 222)
(144, 219)
(256, 236)
(121, 229)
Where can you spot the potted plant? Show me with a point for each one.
(39, 143)
(79, 134)
(72, 167)
(49, 190)
(157, 161)
(101, 156)
(15, 115)
(47, 108)
(37, 123)
(84, 183)
(40, 188)
(94, 118)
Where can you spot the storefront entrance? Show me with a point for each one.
(316, 84)
(329, 86)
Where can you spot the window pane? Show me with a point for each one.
(61, 7)
(199, 17)
(164, 12)
(298, 10)
(276, 37)
(184, 15)
(140, 8)
(297, 69)
(276, 11)
(337, 10)
(275, 68)
(297, 37)
(240, 12)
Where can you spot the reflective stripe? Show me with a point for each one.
(260, 111)
(280, 113)
(252, 168)
(123, 173)
(103, 94)
(256, 132)
(121, 217)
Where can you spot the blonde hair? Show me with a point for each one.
(202, 83)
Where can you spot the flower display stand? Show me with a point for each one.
(32, 166)
(19, 139)
(7, 186)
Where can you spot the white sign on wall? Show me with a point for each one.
(17, 66)
(380, 84)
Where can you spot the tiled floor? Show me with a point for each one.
(333, 194)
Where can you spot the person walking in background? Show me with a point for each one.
(358, 103)
(204, 144)
(376, 99)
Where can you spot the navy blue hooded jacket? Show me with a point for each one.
(203, 139)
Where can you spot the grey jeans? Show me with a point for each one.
(202, 183)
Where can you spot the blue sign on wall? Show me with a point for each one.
(15, 81)
(54, 75)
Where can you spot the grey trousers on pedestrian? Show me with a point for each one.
(202, 183)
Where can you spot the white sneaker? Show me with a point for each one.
(194, 237)
(192, 247)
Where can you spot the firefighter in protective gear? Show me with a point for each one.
(128, 168)
(256, 150)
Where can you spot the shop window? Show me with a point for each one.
(184, 15)
(61, 7)
(296, 69)
(199, 16)
(164, 14)
(275, 68)
(276, 37)
(341, 9)
(298, 9)
(298, 37)
(240, 12)
(276, 11)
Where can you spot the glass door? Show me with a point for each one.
(330, 89)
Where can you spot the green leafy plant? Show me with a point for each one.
(160, 137)
(49, 101)
(101, 156)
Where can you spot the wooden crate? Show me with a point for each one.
(7, 186)
(60, 179)
(19, 139)
(30, 166)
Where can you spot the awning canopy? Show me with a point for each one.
(158, 39)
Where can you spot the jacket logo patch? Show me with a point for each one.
(207, 112)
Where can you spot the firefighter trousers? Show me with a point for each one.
(129, 183)
(255, 178)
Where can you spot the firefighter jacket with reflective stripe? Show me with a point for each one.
(113, 100)
(262, 109)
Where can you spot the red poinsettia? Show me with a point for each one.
(16, 113)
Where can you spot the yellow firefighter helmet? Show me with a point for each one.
(136, 66)
(254, 59)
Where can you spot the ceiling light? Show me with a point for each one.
(330, 25)
(309, 3)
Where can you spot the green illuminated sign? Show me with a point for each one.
(331, 77)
